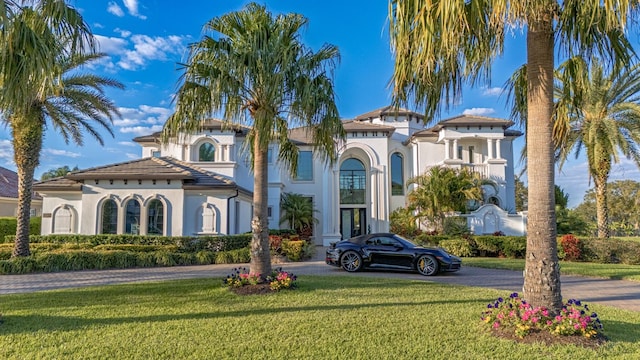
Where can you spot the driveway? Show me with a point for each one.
(617, 293)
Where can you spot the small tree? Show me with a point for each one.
(59, 172)
(298, 212)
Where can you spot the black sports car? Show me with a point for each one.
(389, 251)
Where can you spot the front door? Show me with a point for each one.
(353, 222)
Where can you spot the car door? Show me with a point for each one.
(387, 251)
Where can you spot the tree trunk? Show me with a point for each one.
(27, 143)
(260, 253)
(602, 209)
(541, 275)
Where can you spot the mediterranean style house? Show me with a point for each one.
(9, 195)
(201, 184)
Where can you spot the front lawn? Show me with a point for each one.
(325, 318)
(608, 271)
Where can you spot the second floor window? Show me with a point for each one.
(397, 175)
(207, 152)
(305, 166)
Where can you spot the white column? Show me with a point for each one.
(231, 156)
(498, 155)
(447, 150)
(455, 149)
(490, 148)
(375, 202)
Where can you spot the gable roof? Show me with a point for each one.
(471, 120)
(9, 185)
(151, 168)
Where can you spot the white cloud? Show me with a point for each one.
(132, 156)
(115, 9)
(479, 111)
(123, 33)
(6, 152)
(57, 152)
(147, 48)
(112, 45)
(494, 91)
(140, 130)
(144, 114)
(127, 143)
(132, 6)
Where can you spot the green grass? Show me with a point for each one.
(608, 271)
(326, 318)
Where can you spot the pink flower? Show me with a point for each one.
(496, 325)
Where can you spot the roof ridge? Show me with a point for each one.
(198, 169)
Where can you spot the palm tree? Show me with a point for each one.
(441, 45)
(251, 67)
(41, 45)
(58, 172)
(441, 191)
(602, 116)
(298, 212)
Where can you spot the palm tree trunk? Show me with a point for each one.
(260, 255)
(27, 143)
(541, 275)
(602, 209)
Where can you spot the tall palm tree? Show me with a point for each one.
(39, 42)
(441, 191)
(75, 101)
(441, 45)
(58, 172)
(251, 67)
(602, 117)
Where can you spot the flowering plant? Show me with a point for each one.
(515, 314)
(278, 279)
(281, 280)
(241, 277)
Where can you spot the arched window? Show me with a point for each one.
(207, 152)
(132, 217)
(155, 213)
(397, 174)
(109, 217)
(353, 182)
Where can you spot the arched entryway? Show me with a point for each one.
(353, 198)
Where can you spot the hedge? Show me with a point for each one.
(8, 226)
(70, 260)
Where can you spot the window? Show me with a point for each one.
(132, 217)
(305, 166)
(33, 212)
(109, 217)
(353, 182)
(155, 154)
(270, 156)
(62, 221)
(269, 211)
(460, 152)
(155, 213)
(471, 149)
(397, 174)
(207, 152)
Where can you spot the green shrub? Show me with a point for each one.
(490, 246)
(455, 226)
(8, 228)
(458, 247)
(137, 248)
(293, 250)
(205, 257)
(425, 239)
(513, 246)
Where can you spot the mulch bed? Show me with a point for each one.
(258, 289)
(547, 338)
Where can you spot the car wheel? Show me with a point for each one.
(427, 265)
(351, 261)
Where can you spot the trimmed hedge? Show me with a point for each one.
(183, 243)
(70, 260)
(8, 226)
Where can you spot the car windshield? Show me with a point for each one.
(405, 242)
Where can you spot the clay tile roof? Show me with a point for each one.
(472, 120)
(356, 125)
(9, 184)
(163, 168)
(387, 110)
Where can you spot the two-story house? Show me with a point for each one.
(202, 183)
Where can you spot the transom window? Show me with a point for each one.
(353, 182)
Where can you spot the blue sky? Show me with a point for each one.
(145, 39)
